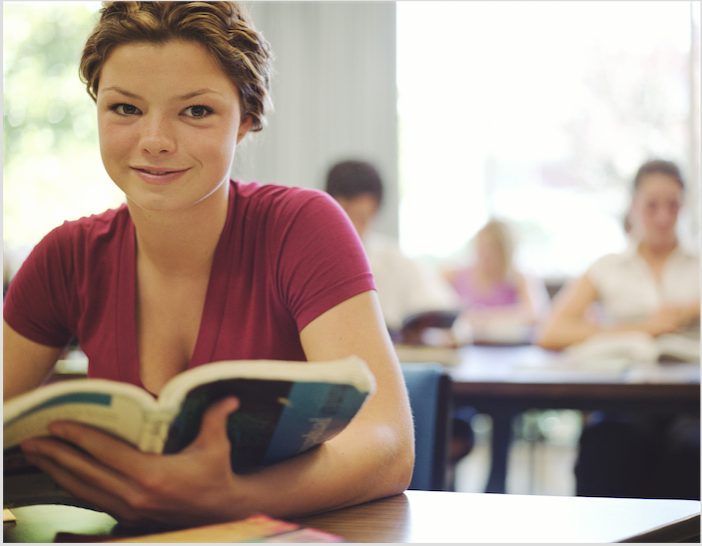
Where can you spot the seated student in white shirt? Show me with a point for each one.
(405, 286)
(653, 287)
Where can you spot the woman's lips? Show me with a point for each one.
(159, 176)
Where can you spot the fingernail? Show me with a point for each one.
(57, 429)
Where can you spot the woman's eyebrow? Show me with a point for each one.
(122, 92)
(187, 96)
(197, 93)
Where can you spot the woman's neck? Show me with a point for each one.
(180, 242)
(656, 255)
(489, 276)
(657, 249)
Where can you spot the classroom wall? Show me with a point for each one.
(335, 95)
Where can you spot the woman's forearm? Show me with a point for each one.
(361, 464)
(558, 334)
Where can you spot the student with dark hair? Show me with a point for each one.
(405, 286)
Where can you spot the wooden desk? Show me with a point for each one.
(433, 517)
(505, 381)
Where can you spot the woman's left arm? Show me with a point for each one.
(372, 458)
(384, 424)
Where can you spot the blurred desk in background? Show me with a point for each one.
(504, 381)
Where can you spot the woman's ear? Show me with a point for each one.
(244, 127)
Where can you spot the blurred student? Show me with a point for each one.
(498, 301)
(652, 287)
(405, 286)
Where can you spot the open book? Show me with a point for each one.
(285, 409)
(620, 349)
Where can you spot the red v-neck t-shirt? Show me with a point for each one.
(286, 255)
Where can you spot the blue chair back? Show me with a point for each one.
(429, 389)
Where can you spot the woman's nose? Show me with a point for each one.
(157, 136)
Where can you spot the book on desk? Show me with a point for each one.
(256, 528)
(438, 336)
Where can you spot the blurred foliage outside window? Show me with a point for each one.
(52, 169)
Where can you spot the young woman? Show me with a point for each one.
(197, 268)
(652, 287)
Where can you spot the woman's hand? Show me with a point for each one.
(671, 319)
(193, 487)
(665, 320)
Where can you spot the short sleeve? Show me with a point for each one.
(322, 261)
(37, 299)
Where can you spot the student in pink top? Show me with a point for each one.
(499, 302)
(194, 268)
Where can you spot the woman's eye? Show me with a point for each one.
(124, 109)
(198, 111)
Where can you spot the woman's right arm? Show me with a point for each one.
(568, 322)
(25, 363)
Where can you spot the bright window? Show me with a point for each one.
(51, 161)
(539, 113)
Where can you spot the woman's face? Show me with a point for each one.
(489, 253)
(361, 210)
(655, 208)
(169, 120)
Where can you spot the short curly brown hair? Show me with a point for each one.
(224, 28)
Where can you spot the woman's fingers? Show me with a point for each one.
(83, 477)
(125, 482)
(213, 430)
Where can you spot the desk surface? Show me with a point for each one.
(545, 379)
(531, 363)
(434, 517)
(503, 381)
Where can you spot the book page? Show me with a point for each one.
(351, 370)
(116, 408)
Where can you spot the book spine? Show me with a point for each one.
(154, 432)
